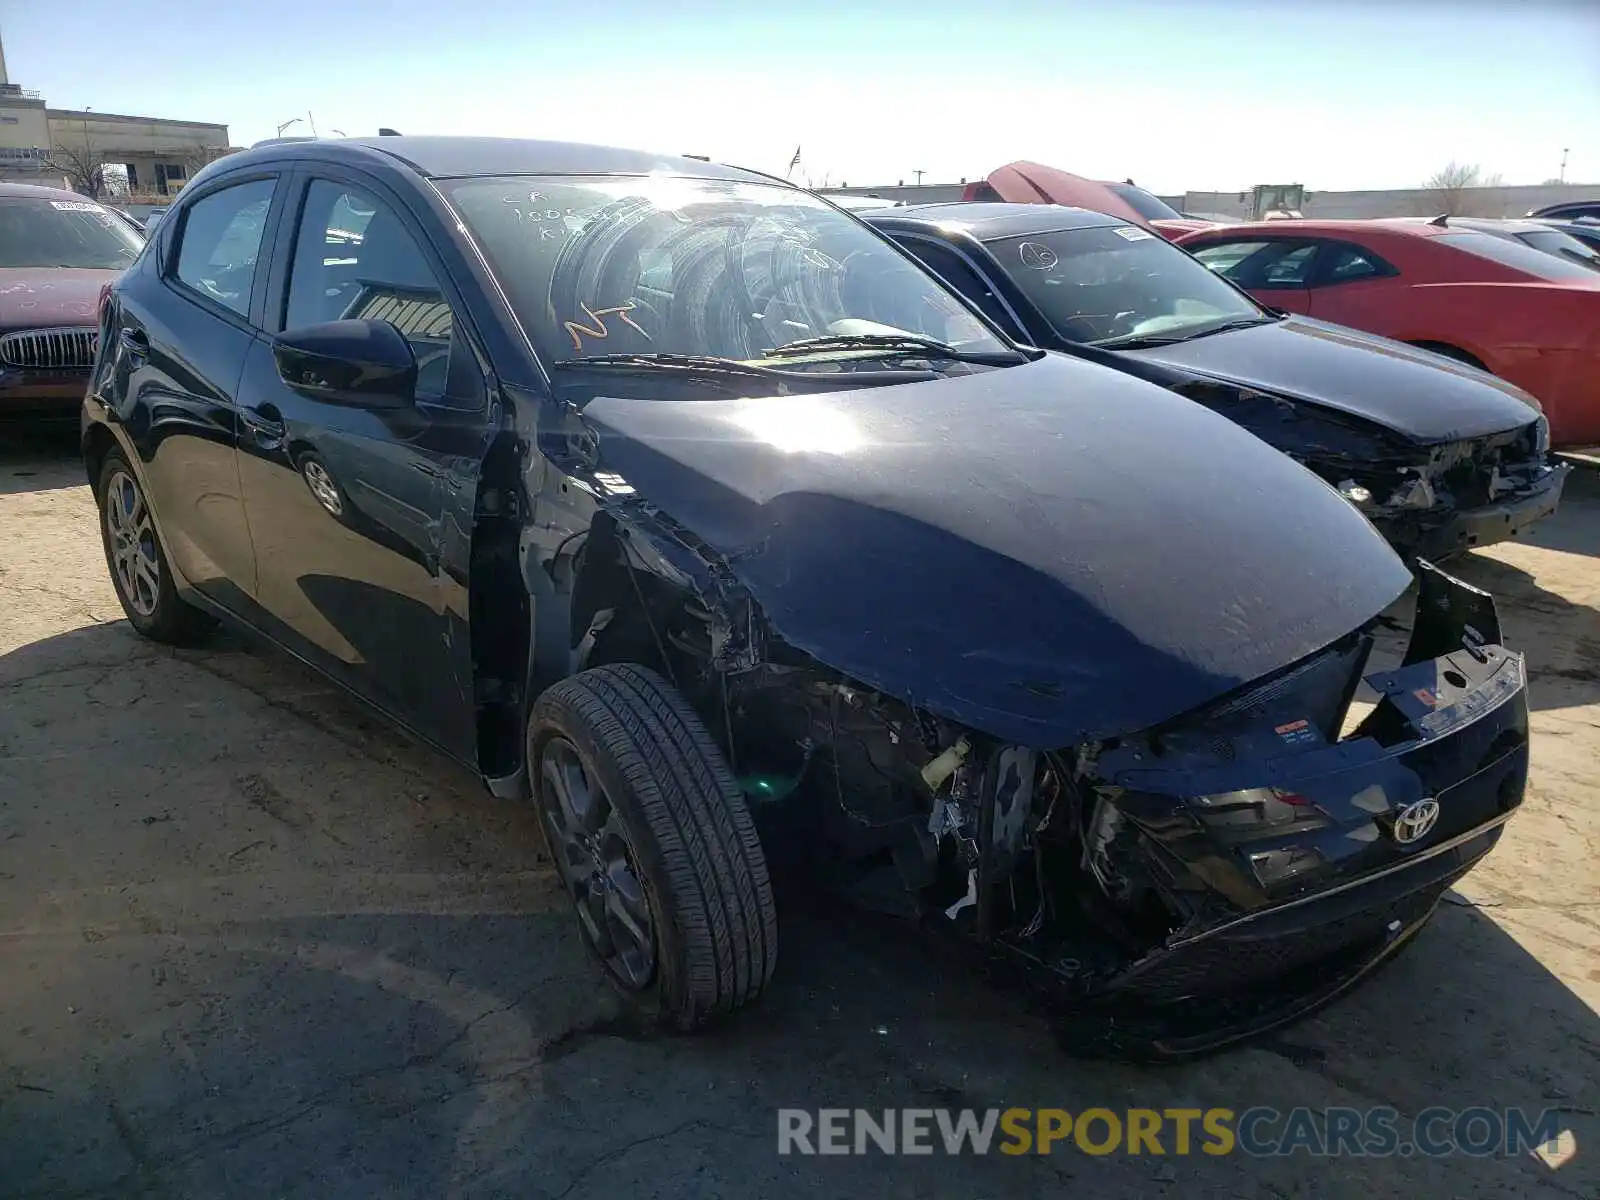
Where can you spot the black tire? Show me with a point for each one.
(687, 828)
(155, 610)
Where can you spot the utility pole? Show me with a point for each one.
(919, 175)
(1563, 176)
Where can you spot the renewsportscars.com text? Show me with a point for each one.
(1259, 1131)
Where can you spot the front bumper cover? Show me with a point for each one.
(1451, 725)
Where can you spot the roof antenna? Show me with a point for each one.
(1442, 219)
(386, 132)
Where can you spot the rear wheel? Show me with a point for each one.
(139, 570)
(654, 844)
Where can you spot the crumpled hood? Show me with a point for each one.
(1048, 553)
(47, 297)
(1416, 394)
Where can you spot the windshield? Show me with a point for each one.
(1510, 253)
(1553, 241)
(1119, 281)
(64, 233)
(684, 266)
(1151, 208)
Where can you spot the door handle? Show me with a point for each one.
(265, 421)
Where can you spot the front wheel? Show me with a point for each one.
(654, 844)
(139, 570)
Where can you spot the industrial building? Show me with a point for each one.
(99, 153)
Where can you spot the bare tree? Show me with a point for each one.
(83, 166)
(1463, 190)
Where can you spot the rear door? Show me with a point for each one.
(1276, 271)
(183, 331)
(357, 512)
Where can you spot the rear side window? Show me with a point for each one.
(221, 240)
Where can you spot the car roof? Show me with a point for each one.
(452, 157)
(33, 190)
(1350, 227)
(989, 220)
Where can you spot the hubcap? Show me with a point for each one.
(132, 538)
(597, 865)
(323, 487)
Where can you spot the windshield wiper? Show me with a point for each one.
(705, 364)
(1137, 341)
(891, 343)
(725, 374)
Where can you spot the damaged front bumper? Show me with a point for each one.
(1436, 534)
(1375, 826)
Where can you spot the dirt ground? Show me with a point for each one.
(254, 943)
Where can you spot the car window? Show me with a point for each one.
(220, 241)
(958, 273)
(1274, 263)
(355, 260)
(659, 264)
(1553, 241)
(1222, 257)
(1111, 284)
(1148, 206)
(1345, 263)
(64, 232)
(1514, 254)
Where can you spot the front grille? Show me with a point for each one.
(49, 349)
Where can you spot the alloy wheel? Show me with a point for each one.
(132, 536)
(322, 487)
(597, 864)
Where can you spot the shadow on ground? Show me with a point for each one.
(224, 977)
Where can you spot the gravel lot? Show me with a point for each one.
(254, 943)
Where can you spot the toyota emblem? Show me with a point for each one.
(1413, 822)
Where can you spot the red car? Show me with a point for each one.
(1530, 317)
(57, 249)
(1024, 182)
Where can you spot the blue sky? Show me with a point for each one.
(1202, 95)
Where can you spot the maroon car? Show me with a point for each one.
(56, 250)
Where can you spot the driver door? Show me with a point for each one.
(354, 511)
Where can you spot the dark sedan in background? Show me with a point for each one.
(57, 250)
(1440, 456)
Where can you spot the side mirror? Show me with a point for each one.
(364, 364)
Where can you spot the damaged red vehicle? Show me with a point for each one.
(676, 500)
(57, 249)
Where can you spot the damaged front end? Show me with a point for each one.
(1429, 501)
(1171, 891)
(1459, 495)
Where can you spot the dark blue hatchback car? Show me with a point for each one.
(678, 501)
